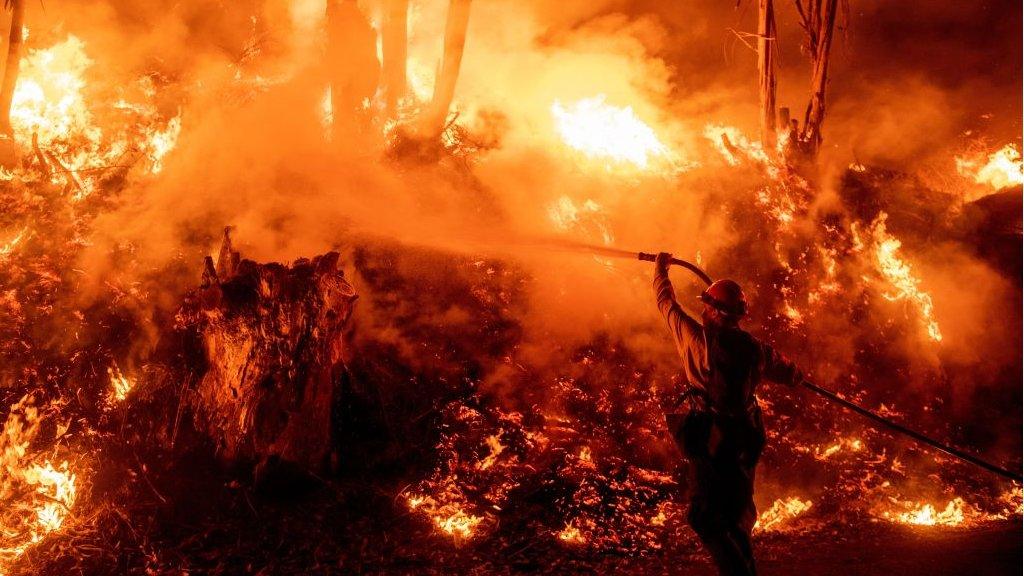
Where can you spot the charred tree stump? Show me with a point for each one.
(272, 370)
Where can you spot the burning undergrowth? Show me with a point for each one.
(467, 421)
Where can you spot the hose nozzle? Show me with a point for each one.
(677, 262)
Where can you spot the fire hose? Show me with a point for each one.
(836, 399)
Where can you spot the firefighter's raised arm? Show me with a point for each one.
(778, 368)
(684, 327)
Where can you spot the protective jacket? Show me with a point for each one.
(717, 424)
(722, 367)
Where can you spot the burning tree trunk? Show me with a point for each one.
(270, 337)
(818, 19)
(766, 70)
(395, 48)
(352, 62)
(10, 79)
(444, 87)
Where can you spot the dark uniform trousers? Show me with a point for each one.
(722, 454)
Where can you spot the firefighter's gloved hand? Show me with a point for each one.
(662, 260)
(799, 377)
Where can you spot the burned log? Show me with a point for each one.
(269, 339)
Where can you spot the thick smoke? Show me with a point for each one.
(254, 150)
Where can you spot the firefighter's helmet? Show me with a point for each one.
(727, 297)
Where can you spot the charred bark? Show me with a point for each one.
(8, 150)
(395, 52)
(766, 42)
(269, 374)
(444, 87)
(13, 64)
(818, 19)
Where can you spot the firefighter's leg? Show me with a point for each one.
(711, 516)
(745, 513)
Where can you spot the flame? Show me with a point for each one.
(9, 246)
(924, 514)
(586, 217)
(37, 495)
(458, 523)
(571, 535)
(738, 147)
(449, 518)
(160, 142)
(851, 445)
(900, 275)
(1004, 168)
(1013, 502)
(120, 385)
(48, 98)
(496, 447)
(782, 511)
(49, 102)
(606, 132)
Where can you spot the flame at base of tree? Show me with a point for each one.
(37, 495)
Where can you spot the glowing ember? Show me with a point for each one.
(9, 246)
(120, 385)
(850, 445)
(458, 523)
(1013, 501)
(901, 277)
(494, 443)
(602, 131)
(571, 535)
(1003, 168)
(782, 511)
(927, 515)
(449, 518)
(37, 495)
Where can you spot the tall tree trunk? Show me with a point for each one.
(766, 42)
(13, 64)
(395, 48)
(352, 66)
(815, 115)
(444, 86)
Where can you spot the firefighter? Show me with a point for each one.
(717, 423)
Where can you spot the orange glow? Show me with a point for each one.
(37, 495)
(781, 512)
(604, 132)
(494, 443)
(900, 276)
(571, 535)
(1002, 169)
(120, 385)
